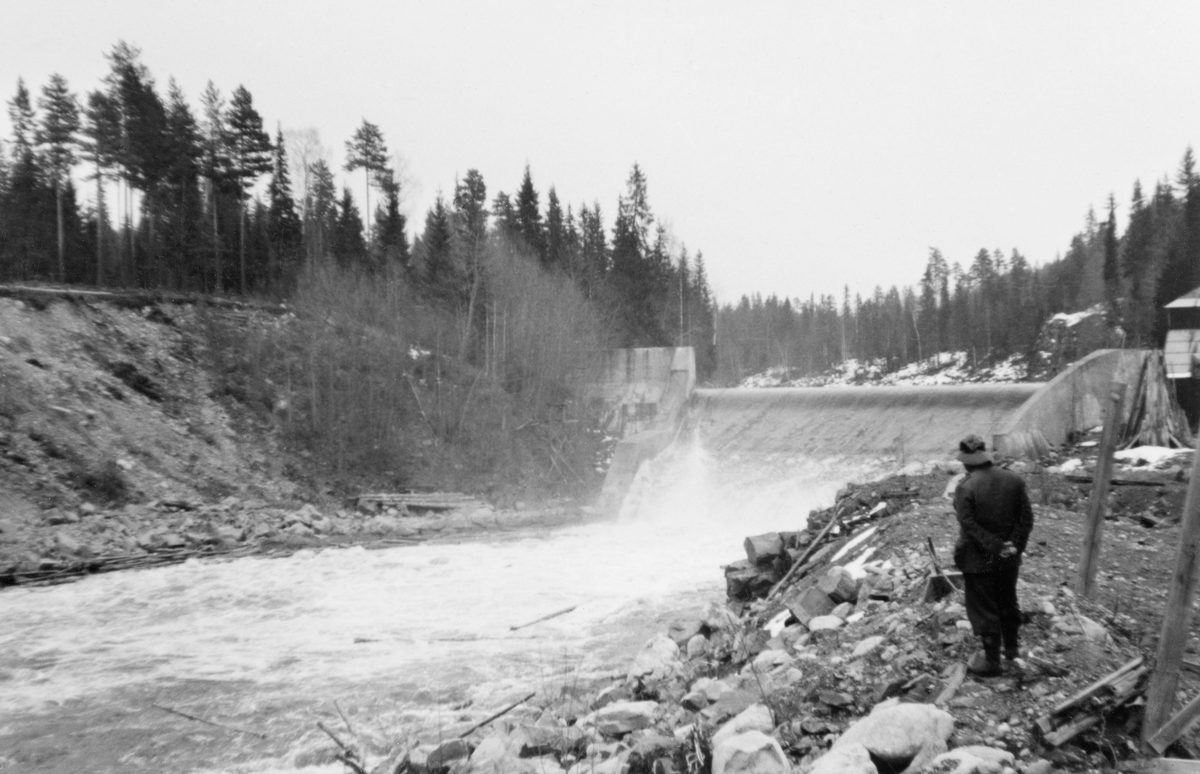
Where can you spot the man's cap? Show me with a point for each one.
(973, 451)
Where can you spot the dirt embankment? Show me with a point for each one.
(126, 439)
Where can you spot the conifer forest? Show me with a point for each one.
(132, 184)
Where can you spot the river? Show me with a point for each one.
(406, 640)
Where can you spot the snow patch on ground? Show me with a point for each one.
(942, 368)
(1073, 319)
(1153, 456)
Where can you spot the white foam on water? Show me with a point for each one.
(300, 631)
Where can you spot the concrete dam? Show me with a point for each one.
(890, 425)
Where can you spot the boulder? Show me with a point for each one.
(657, 660)
(624, 716)
(754, 718)
(67, 543)
(847, 759)
(975, 759)
(807, 603)
(867, 645)
(55, 516)
(730, 704)
(446, 753)
(769, 659)
(552, 740)
(903, 735)
(697, 646)
(694, 701)
(843, 611)
(825, 623)
(718, 617)
(752, 752)
(764, 549)
(681, 632)
(839, 584)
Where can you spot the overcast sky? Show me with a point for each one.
(800, 146)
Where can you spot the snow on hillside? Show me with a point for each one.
(943, 368)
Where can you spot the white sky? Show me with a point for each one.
(799, 145)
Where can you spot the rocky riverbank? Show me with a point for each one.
(61, 544)
(851, 666)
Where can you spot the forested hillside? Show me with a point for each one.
(131, 185)
(995, 306)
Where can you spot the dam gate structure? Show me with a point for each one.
(654, 393)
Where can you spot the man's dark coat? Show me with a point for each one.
(992, 507)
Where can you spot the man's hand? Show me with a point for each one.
(1008, 550)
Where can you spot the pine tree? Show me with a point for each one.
(504, 217)
(102, 148)
(529, 217)
(250, 154)
(367, 151)
(216, 168)
(56, 138)
(283, 225)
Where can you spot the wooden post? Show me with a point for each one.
(1090, 560)
(1177, 617)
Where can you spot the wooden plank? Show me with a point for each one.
(1089, 562)
(1098, 687)
(1160, 696)
(1164, 766)
(953, 682)
(1071, 730)
(1176, 726)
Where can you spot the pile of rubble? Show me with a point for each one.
(847, 664)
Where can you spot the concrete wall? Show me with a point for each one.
(643, 388)
(646, 392)
(1072, 402)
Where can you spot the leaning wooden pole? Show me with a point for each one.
(1094, 532)
(1177, 617)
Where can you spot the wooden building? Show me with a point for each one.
(1181, 352)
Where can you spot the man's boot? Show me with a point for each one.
(986, 662)
(1012, 650)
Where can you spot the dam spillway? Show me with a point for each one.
(903, 423)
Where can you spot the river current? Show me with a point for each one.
(403, 640)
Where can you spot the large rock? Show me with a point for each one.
(754, 718)
(807, 603)
(752, 752)
(847, 759)
(825, 623)
(657, 660)
(839, 584)
(624, 716)
(552, 740)
(904, 735)
(718, 617)
(764, 549)
(975, 759)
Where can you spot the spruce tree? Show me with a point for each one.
(1111, 270)
(348, 244)
(470, 211)
(437, 264)
(391, 239)
(555, 254)
(283, 225)
(24, 204)
(322, 210)
(181, 202)
(529, 217)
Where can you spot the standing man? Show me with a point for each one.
(994, 522)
